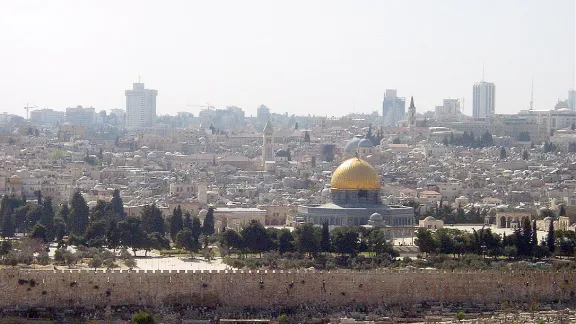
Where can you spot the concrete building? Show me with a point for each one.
(81, 116)
(140, 106)
(572, 100)
(263, 113)
(393, 108)
(484, 100)
(449, 111)
(47, 117)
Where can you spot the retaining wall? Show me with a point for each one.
(68, 288)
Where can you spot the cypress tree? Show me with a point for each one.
(64, 212)
(176, 222)
(196, 228)
(47, 218)
(325, 240)
(208, 226)
(8, 227)
(78, 218)
(117, 205)
(187, 220)
(550, 240)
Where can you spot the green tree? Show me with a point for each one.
(47, 218)
(156, 241)
(64, 212)
(117, 205)
(232, 240)
(562, 211)
(208, 225)
(325, 244)
(59, 228)
(185, 240)
(550, 240)
(130, 234)
(33, 216)
(95, 235)
(176, 222)
(502, 153)
(525, 155)
(187, 220)
(255, 237)
(307, 238)
(78, 219)
(100, 211)
(285, 241)
(20, 217)
(39, 232)
(152, 220)
(346, 240)
(425, 241)
(8, 227)
(196, 228)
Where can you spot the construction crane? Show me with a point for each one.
(207, 106)
(28, 107)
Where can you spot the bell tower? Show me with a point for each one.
(411, 114)
(268, 143)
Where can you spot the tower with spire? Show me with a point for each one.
(412, 114)
(268, 143)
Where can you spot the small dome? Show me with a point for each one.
(325, 192)
(151, 155)
(282, 153)
(202, 213)
(429, 218)
(351, 146)
(548, 219)
(365, 143)
(376, 217)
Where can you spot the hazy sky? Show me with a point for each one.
(301, 57)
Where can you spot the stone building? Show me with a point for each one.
(355, 194)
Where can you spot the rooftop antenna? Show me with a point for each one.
(139, 79)
(532, 96)
(482, 70)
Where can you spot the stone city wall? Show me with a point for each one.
(23, 288)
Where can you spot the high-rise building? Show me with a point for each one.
(263, 113)
(47, 117)
(449, 111)
(140, 106)
(393, 108)
(572, 100)
(268, 143)
(484, 100)
(80, 116)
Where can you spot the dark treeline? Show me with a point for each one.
(523, 243)
(104, 225)
(467, 139)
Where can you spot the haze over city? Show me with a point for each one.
(323, 57)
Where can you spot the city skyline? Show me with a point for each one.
(337, 59)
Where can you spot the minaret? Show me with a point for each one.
(268, 143)
(411, 113)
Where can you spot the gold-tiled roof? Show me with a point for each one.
(355, 174)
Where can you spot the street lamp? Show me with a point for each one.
(484, 248)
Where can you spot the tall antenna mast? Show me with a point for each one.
(482, 70)
(532, 96)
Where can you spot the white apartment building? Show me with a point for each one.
(47, 117)
(140, 106)
(484, 100)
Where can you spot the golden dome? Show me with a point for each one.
(355, 174)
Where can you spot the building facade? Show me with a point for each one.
(393, 108)
(484, 100)
(140, 106)
(81, 116)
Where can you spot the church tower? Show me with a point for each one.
(268, 143)
(411, 114)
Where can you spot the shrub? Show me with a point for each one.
(142, 318)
